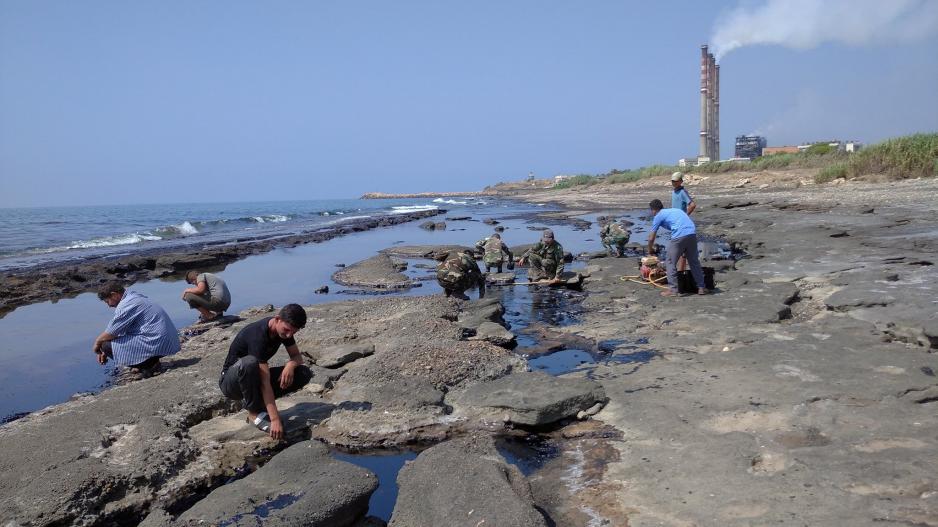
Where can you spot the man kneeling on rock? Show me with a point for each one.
(210, 295)
(139, 334)
(458, 272)
(545, 259)
(246, 375)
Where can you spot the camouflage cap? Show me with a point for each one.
(547, 234)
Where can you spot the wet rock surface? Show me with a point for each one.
(464, 482)
(378, 272)
(163, 444)
(303, 485)
(433, 252)
(798, 394)
(527, 398)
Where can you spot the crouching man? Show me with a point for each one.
(139, 333)
(459, 272)
(247, 377)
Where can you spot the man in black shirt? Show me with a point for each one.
(247, 377)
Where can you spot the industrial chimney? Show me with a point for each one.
(709, 107)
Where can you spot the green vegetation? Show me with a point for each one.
(906, 157)
(900, 158)
(575, 181)
(828, 174)
(820, 149)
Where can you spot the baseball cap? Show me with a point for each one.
(677, 176)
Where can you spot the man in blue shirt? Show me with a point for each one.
(683, 242)
(680, 198)
(138, 335)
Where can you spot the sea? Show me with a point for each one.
(33, 236)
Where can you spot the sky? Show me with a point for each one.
(167, 102)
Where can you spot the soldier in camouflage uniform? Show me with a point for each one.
(545, 258)
(494, 252)
(614, 237)
(459, 272)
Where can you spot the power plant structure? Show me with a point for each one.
(709, 107)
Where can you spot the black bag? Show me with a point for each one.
(709, 283)
(687, 285)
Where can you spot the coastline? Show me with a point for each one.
(800, 393)
(391, 195)
(57, 280)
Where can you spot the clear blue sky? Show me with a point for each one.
(150, 102)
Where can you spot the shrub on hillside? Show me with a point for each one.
(828, 174)
(900, 158)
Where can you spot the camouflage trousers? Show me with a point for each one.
(541, 268)
(456, 283)
(615, 245)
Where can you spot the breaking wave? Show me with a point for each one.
(404, 209)
(450, 201)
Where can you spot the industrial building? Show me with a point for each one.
(749, 146)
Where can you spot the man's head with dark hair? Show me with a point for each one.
(294, 315)
(655, 205)
(111, 293)
(497, 235)
(191, 276)
(109, 288)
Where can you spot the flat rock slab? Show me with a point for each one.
(496, 334)
(463, 482)
(423, 251)
(186, 262)
(433, 225)
(378, 272)
(479, 311)
(527, 398)
(500, 278)
(303, 485)
(341, 354)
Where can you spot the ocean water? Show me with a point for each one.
(30, 236)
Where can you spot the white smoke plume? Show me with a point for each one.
(804, 24)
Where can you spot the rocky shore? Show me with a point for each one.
(801, 393)
(69, 279)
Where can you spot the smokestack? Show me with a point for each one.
(704, 103)
(710, 106)
(716, 110)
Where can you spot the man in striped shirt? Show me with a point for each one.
(138, 335)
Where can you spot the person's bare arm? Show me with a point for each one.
(98, 342)
(199, 289)
(286, 378)
(691, 207)
(651, 242)
(267, 392)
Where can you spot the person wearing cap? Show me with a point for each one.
(457, 272)
(545, 259)
(680, 199)
(139, 333)
(494, 252)
(683, 242)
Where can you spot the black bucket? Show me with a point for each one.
(686, 283)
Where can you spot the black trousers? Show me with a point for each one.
(242, 382)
